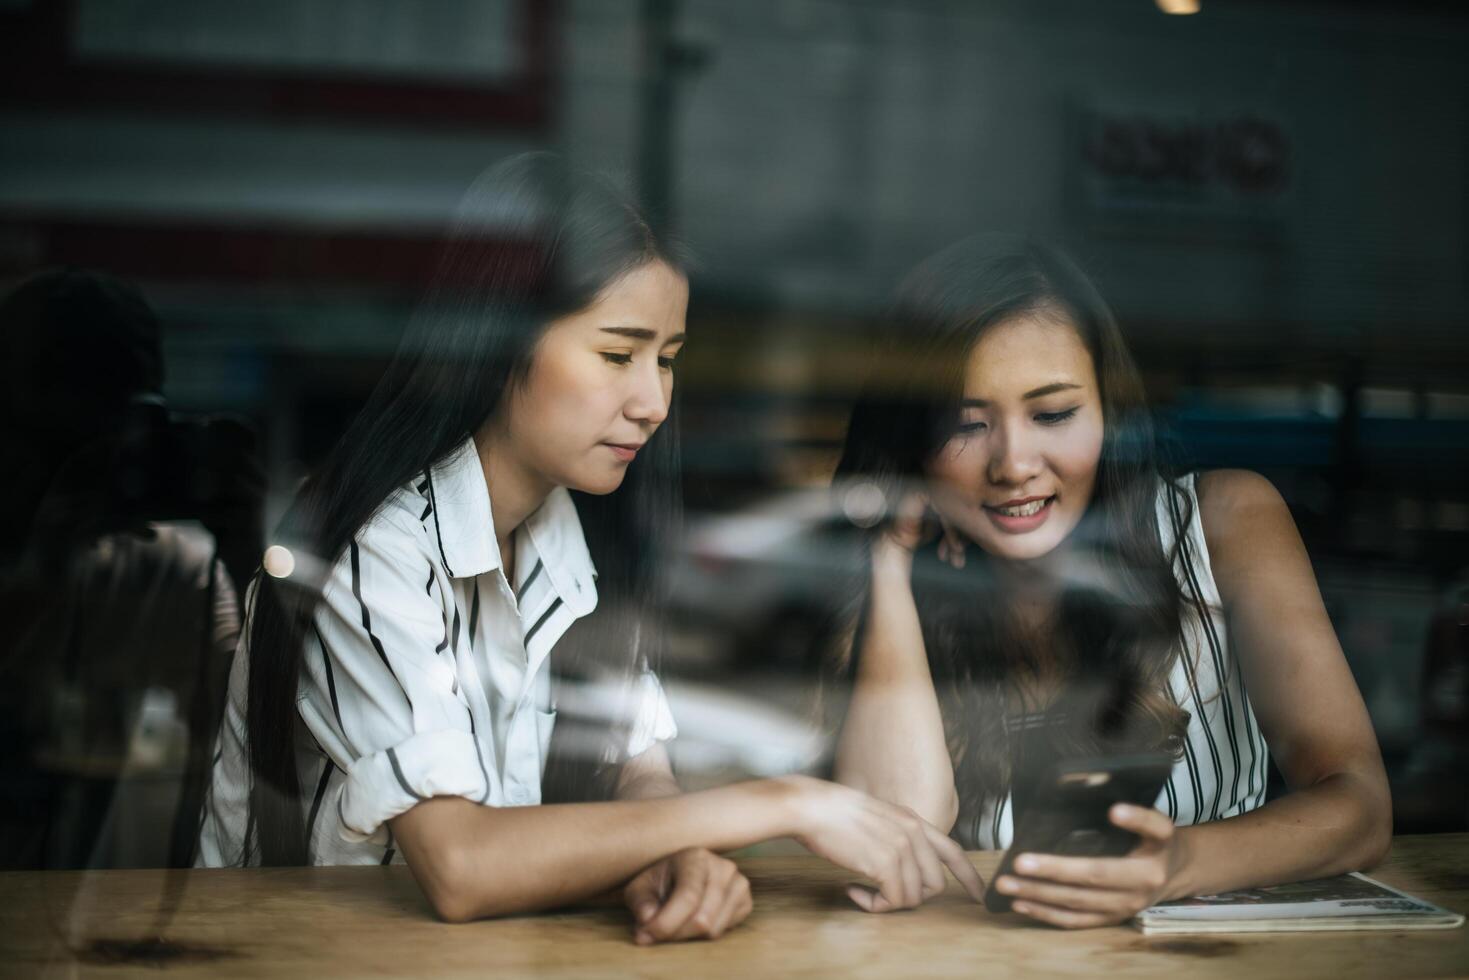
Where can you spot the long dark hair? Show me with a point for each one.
(1120, 609)
(470, 342)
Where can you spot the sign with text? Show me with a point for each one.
(1185, 172)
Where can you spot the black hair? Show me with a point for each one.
(470, 343)
(1118, 620)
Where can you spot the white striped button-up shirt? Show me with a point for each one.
(426, 673)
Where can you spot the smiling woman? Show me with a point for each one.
(1035, 451)
(493, 522)
(1079, 601)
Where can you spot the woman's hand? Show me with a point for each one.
(892, 845)
(911, 527)
(694, 894)
(1078, 893)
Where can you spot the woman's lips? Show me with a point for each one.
(623, 452)
(1022, 516)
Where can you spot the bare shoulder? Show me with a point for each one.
(1243, 516)
(1225, 495)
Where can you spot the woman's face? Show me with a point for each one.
(1019, 471)
(600, 382)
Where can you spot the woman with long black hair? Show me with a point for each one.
(487, 531)
(1044, 591)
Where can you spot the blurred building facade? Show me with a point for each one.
(1273, 196)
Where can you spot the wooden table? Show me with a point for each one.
(315, 922)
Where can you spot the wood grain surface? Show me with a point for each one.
(318, 922)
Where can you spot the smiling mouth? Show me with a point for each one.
(1024, 508)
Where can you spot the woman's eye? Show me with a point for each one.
(971, 426)
(666, 363)
(1054, 418)
(615, 358)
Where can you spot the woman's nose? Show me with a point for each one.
(1013, 459)
(648, 400)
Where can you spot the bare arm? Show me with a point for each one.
(692, 894)
(474, 861)
(1338, 815)
(892, 742)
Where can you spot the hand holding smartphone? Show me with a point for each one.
(1069, 812)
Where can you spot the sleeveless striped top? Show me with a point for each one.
(1225, 761)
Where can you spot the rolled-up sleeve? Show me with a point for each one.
(652, 716)
(379, 694)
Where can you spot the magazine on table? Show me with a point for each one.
(1350, 901)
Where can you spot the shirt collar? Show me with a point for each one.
(555, 532)
(466, 530)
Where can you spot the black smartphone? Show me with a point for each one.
(1067, 813)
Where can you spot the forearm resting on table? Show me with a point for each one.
(892, 744)
(475, 861)
(1339, 824)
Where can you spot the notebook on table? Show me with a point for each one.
(1344, 902)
